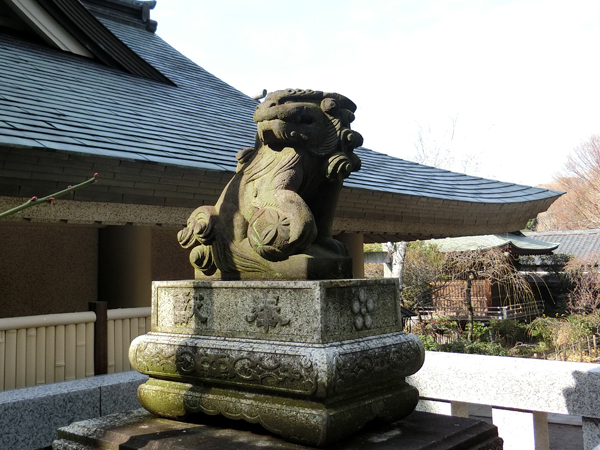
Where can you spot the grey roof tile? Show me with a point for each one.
(15, 141)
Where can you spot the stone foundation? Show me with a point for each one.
(140, 429)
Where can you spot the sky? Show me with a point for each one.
(509, 87)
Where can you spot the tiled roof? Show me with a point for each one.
(515, 241)
(383, 172)
(576, 243)
(55, 100)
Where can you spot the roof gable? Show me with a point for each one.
(29, 14)
(68, 25)
(202, 123)
(49, 99)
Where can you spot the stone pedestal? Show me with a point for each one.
(312, 361)
(139, 429)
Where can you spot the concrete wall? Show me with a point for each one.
(47, 269)
(53, 269)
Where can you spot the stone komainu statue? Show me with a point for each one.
(274, 218)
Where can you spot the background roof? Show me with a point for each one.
(516, 242)
(576, 243)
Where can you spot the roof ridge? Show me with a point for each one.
(129, 12)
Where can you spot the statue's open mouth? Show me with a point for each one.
(279, 131)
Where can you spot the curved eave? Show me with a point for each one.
(384, 217)
(391, 199)
(577, 243)
(381, 216)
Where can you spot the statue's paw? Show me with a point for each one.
(269, 234)
(199, 227)
(201, 258)
(186, 237)
(333, 245)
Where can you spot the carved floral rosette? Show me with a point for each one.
(278, 367)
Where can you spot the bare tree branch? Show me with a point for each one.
(440, 151)
(33, 201)
(580, 206)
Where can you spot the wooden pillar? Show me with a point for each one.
(125, 266)
(100, 337)
(355, 243)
